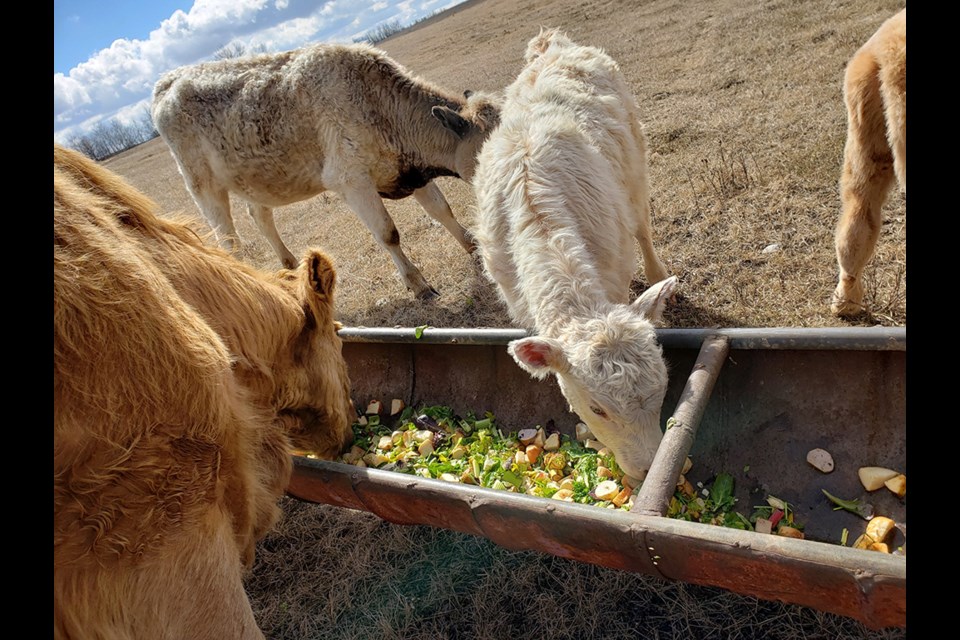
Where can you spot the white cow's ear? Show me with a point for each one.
(539, 356)
(654, 299)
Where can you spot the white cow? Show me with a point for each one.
(279, 128)
(562, 191)
(875, 93)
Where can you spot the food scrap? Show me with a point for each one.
(433, 442)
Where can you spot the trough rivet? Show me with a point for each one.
(650, 548)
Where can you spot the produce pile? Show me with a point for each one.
(433, 442)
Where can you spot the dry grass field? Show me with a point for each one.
(743, 107)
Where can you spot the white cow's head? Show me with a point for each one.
(611, 371)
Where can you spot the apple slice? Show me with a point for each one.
(872, 478)
(897, 484)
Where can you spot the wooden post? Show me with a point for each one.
(661, 480)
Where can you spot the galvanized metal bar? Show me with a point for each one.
(661, 480)
(800, 338)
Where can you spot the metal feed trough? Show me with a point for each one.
(748, 402)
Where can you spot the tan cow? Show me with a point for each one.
(875, 92)
(181, 378)
(280, 128)
(562, 196)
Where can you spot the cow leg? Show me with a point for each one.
(893, 84)
(864, 182)
(652, 266)
(213, 201)
(366, 203)
(431, 199)
(263, 216)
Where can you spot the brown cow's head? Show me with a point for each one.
(313, 392)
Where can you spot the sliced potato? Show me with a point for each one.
(872, 478)
(821, 460)
(526, 436)
(897, 484)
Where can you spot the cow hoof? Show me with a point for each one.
(846, 305)
(428, 294)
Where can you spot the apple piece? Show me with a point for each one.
(879, 528)
(396, 406)
(540, 438)
(790, 532)
(552, 443)
(763, 526)
(606, 490)
(564, 494)
(872, 478)
(583, 432)
(687, 465)
(897, 484)
(533, 452)
(374, 407)
(622, 497)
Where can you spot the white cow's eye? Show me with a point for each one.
(600, 412)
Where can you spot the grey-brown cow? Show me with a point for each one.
(280, 128)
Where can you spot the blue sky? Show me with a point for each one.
(107, 55)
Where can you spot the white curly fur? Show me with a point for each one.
(562, 191)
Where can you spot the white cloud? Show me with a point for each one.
(121, 77)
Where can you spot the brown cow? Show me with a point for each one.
(181, 379)
(875, 92)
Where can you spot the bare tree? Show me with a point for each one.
(238, 50)
(109, 137)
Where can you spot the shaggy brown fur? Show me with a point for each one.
(180, 378)
(875, 91)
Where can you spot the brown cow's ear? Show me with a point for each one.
(451, 120)
(321, 274)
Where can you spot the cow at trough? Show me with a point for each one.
(875, 153)
(181, 379)
(562, 195)
(279, 128)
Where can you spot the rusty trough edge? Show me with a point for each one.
(658, 486)
(816, 338)
(867, 586)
